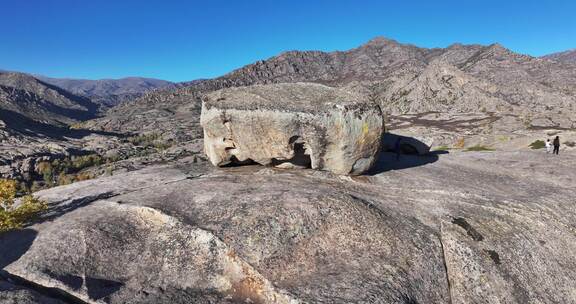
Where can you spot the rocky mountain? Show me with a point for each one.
(474, 90)
(109, 92)
(38, 126)
(467, 223)
(564, 57)
(43, 102)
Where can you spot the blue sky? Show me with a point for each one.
(186, 40)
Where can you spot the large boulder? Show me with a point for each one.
(468, 228)
(292, 125)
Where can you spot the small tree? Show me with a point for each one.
(45, 168)
(14, 217)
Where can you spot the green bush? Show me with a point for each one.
(539, 144)
(152, 140)
(12, 217)
(479, 148)
(144, 140)
(47, 171)
(66, 171)
(85, 161)
(442, 148)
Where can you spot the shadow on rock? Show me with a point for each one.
(30, 127)
(61, 207)
(388, 161)
(14, 244)
(100, 288)
(405, 144)
(402, 152)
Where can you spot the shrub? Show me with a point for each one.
(460, 143)
(64, 179)
(76, 126)
(144, 140)
(539, 144)
(84, 176)
(12, 217)
(85, 161)
(47, 172)
(442, 148)
(479, 148)
(162, 145)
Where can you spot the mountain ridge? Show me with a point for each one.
(568, 56)
(383, 59)
(109, 92)
(41, 101)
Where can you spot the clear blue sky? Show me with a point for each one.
(186, 40)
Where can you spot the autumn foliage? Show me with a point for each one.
(14, 215)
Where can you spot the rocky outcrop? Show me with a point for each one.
(287, 125)
(466, 228)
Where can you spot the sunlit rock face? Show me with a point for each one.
(292, 125)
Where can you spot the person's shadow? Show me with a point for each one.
(29, 127)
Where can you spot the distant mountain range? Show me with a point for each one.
(565, 57)
(29, 100)
(22, 94)
(109, 92)
(403, 78)
(462, 91)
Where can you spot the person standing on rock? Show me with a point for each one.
(548, 146)
(556, 145)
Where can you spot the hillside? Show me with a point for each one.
(109, 92)
(43, 102)
(473, 89)
(37, 122)
(563, 57)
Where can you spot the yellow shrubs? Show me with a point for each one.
(460, 143)
(11, 216)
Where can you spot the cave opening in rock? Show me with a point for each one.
(235, 162)
(301, 159)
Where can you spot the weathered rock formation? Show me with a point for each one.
(465, 228)
(289, 125)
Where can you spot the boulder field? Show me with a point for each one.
(470, 227)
